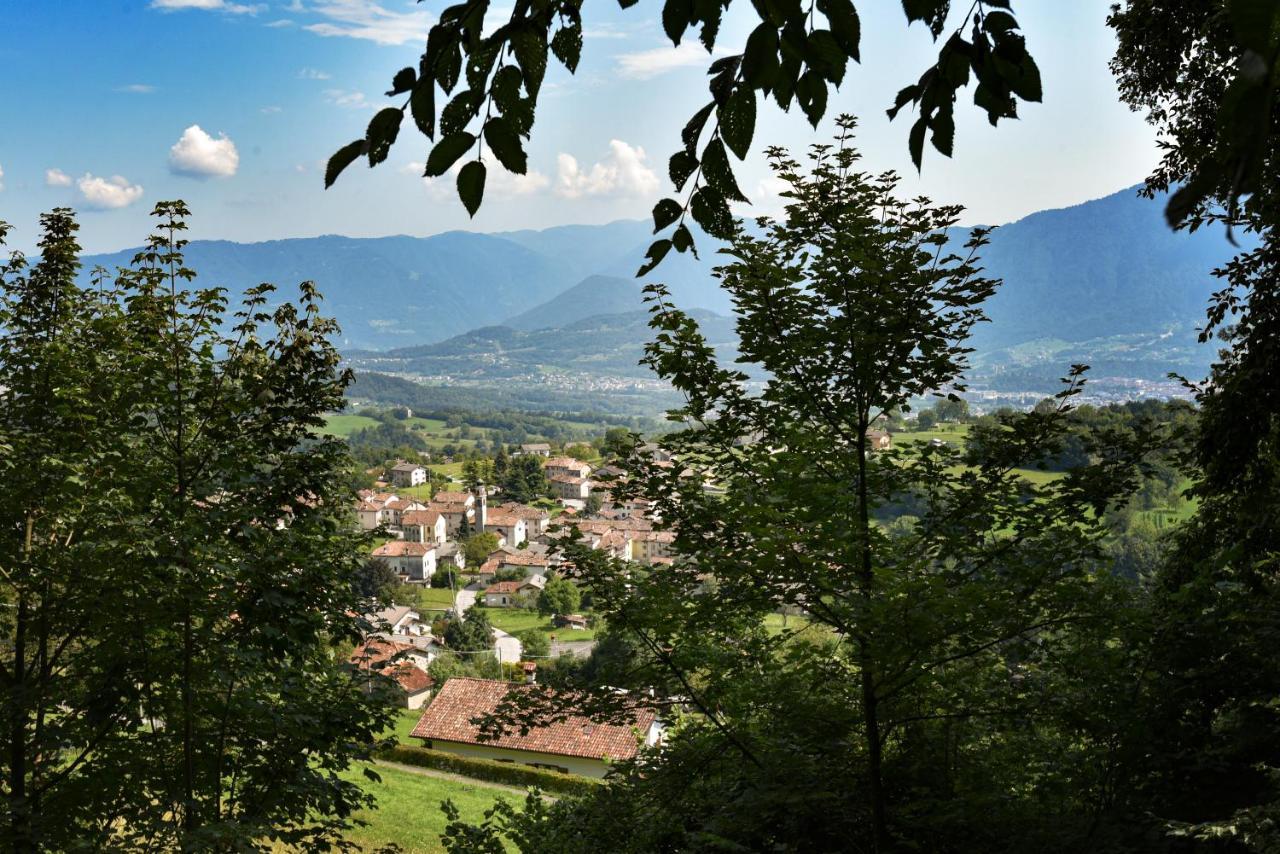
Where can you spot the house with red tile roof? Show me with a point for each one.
(398, 662)
(509, 594)
(576, 745)
(415, 561)
(566, 466)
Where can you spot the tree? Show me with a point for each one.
(478, 547)
(951, 410)
(534, 643)
(898, 718)
(618, 442)
(470, 633)
(1205, 74)
(524, 479)
(377, 581)
(926, 420)
(168, 676)
(792, 55)
(592, 505)
(560, 596)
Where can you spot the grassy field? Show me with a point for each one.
(516, 620)
(345, 425)
(408, 812)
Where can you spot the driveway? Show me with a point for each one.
(509, 648)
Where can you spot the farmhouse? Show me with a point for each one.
(510, 527)
(572, 746)
(398, 662)
(879, 440)
(566, 466)
(535, 449)
(510, 594)
(569, 486)
(407, 474)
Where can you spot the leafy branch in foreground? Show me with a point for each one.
(490, 86)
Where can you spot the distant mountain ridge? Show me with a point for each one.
(1104, 268)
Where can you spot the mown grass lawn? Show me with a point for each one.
(516, 620)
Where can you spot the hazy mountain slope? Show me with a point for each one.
(586, 249)
(391, 290)
(608, 345)
(1106, 267)
(594, 295)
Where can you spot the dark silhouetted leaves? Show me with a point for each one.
(657, 251)
(340, 160)
(711, 211)
(665, 212)
(403, 81)
(505, 144)
(566, 44)
(693, 129)
(718, 173)
(738, 121)
(382, 132)
(471, 185)
(422, 104)
(682, 165)
(447, 151)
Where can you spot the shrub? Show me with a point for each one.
(507, 773)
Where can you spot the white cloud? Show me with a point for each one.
(208, 6)
(313, 74)
(345, 98)
(622, 173)
(198, 155)
(137, 88)
(646, 64)
(56, 178)
(280, 22)
(604, 31)
(368, 20)
(108, 193)
(270, 109)
(498, 181)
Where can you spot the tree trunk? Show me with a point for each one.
(866, 658)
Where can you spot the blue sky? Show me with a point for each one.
(112, 105)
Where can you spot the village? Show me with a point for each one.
(427, 543)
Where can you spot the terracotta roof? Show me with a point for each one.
(504, 587)
(524, 558)
(449, 508)
(426, 518)
(369, 506)
(445, 497)
(567, 478)
(461, 700)
(411, 678)
(401, 548)
(402, 504)
(505, 518)
(524, 511)
(566, 463)
(536, 446)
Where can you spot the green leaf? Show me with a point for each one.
(845, 25)
(738, 121)
(566, 44)
(811, 93)
(760, 57)
(711, 211)
(675, 19)
(422, 104)
(403, 81)
(682, 239)
(693, 130)
(657, 251)
(718, 172)
(505, 144)
(682, 165)
(826, 55)
(471, 186)
(382, 132)
(447, 151)
(531, 53)
(341, 159)
(456, 114)
(943, 130)
(915, 141)
(665, 212)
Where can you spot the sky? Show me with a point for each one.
(112, 105)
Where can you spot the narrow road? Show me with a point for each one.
(509, 648)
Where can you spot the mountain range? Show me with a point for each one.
(1104, 278)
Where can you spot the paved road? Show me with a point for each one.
(509, 648)
(580, 649)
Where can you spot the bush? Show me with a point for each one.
(444, 578)
(507, 773)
